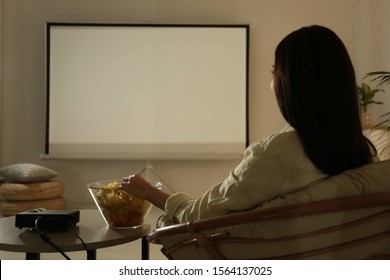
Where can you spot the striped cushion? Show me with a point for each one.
(27, 173)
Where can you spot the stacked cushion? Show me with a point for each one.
(29, 186)
(27, 173)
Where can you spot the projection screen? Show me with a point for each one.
(148, 91)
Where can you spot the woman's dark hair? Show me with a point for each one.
(315, 86)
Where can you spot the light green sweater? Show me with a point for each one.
(272, 167)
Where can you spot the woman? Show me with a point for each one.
(314, 82)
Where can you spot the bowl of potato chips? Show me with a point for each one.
(119, 209)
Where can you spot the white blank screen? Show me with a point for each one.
(147, 91)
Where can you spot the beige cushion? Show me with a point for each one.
(27, 173)
(31, 191)
(10, 208)
(367, 179)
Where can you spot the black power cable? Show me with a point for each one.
(46, 238)
(40, 223)
(79, 238)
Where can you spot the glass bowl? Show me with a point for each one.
(119, 209)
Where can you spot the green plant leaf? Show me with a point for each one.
(366, 95)
(383, 77)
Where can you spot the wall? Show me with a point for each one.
(372, 45)
(23, 76)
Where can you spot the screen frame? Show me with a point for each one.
(48, 155)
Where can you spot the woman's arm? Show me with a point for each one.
(137, 186)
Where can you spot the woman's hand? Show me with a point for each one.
(137, 186)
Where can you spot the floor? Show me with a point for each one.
(129, 251)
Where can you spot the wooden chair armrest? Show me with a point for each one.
(251, 216)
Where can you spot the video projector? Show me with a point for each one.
(52, 220)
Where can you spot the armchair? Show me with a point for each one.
(348, 221)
